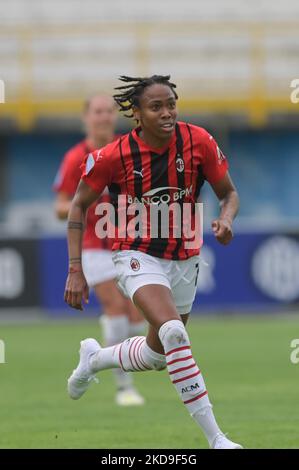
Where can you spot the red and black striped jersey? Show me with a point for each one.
(148, 176)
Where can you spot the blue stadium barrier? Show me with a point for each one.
(257, 271)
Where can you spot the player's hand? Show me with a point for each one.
(222, 229)
(76, 289)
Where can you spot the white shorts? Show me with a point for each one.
(98, 266)
(136, 269)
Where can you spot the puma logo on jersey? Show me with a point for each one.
(140, 173)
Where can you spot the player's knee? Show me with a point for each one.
(173, 334)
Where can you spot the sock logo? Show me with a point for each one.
(190, 388)
(180, 338)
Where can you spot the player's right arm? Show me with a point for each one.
(76, 286)
(96, 176)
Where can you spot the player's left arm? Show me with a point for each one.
(227, 195)
(215, 168)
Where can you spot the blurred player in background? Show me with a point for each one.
(161, 161)
(121, 318)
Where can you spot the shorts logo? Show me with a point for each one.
(135, 265)
(179, 164)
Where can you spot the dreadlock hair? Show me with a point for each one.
(130, 94)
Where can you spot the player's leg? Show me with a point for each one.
(168, 334)
(139, 353)
(167, 345)
(184, 277)
(116, 327)
(137, 324)
(133, 354)
(156, 302)
(153, 339)
(100, 272)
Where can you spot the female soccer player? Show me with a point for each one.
(161, 162)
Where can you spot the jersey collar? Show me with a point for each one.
(135, 134)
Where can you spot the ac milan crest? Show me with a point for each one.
(135, 265)
(180, 164)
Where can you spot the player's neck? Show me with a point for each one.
(95, 143)
(153, 141)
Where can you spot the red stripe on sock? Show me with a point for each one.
(182, 369)
(137, 343)
(140, 357)
(144, 363)
(177, 349)
(186, 378)
(196, 398)
(179, 360)
(138, 352)
(134, 341)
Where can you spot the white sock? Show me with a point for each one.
(206, 420)
(186, 376)
(133, 354)
(115, 330)
(106, 358)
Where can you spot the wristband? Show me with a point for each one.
(73, 270)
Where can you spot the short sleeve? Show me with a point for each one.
(68, 175)
(97, 170)
(215, 164)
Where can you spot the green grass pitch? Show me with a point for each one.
(245, 361)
